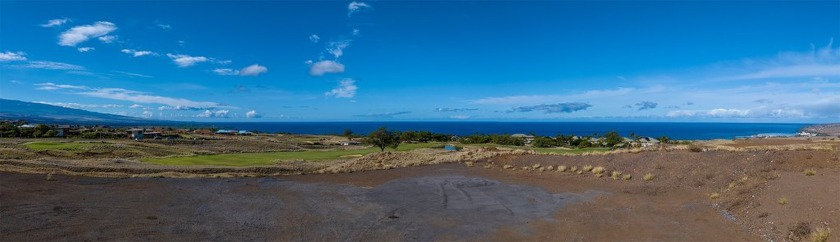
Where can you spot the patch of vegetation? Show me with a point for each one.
(783, 201)
(269, 158)
(69, 146)
(714, 195)
(820, 235)
(599, 170)
(587, 168)
(810, 172)
(628, 177)
(799, 231)
(648, 177)
(561, 168)
(615, 175)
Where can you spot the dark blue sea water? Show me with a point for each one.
(673, 130)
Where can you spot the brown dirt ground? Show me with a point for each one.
(675, 206)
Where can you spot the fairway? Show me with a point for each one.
(269, 158)
(67, 146)
(558, 151)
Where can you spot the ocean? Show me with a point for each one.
(683, 131)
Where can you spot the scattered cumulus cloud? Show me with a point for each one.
(644, 105)
(138, 53)
(326, 66)
(121, 94)
(356, 32)
(85, 49)
(225, 72)
(83, 33)
(553, 108)
(355, 7)
(253, 70)
(186, 60)
(252, 114)
(336, 48)
(454, 109)
(183, 108)
(12, 56)
(314, 38)
(135, 106)
(132, 74)
(164, 26)
(55, 22)
(346, 89)
(107, 39)
(214, 114)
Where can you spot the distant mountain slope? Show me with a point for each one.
(43, 113)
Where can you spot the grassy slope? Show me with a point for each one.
(268, 158)
(547, 150)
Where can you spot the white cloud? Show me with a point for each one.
(253, 70)
(356, 32)
(138, 53)
(55, 22)
(214, 114)
(135, 106)
(539, 99)
(141, 97)
(53, 86)
(252, 114)
(12, 56)
(85, 49)
(337, 48)
(326, 66)
(50, 65)
(226, 72)
(354, 7)
(164, 26)
(148, 114)
(79, 105)
(107, 39)
(314, 38)
(346, 89)
(132, 74)
(82, 33)
(186, 60)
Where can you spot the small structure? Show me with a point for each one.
(528, 138)
(27, 126)
(226, 131)
(62, 130)
(244, 132)
(648, 142)
(153, 135)
(135, 133)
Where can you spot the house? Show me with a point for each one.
(648, 142)
(226, 131)
(346, 143)
(528, 138)
(153, 135)
(27, 126)
(135, 133)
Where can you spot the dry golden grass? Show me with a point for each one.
(783, 201)
(648, 177)
(580, 172)
(598, 170)
(615, 175)
(810, 172)
(469, 163)
(561, 168)
(550, 168)
(628, 177)
(50, 176)
(587, 168)
(574, 169)
(820, 235)
(536, 166)
(714, 195)
(507, 167)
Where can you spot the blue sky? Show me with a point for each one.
(716, 61)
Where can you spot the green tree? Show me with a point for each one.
(348, 133)
(50, 133)
(612, 138)
(544, 142)
(664, 139)
(384, 138)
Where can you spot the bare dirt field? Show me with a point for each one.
(740, 193)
